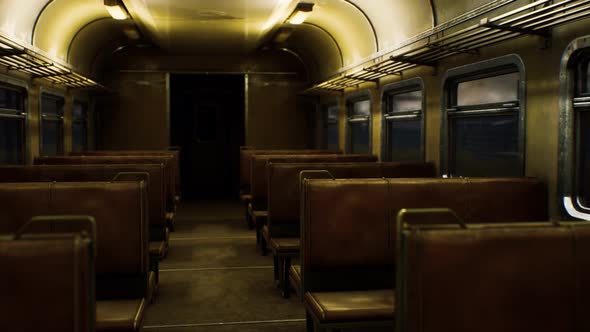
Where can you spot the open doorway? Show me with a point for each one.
(207, 122)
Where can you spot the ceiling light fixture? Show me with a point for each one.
(116, 9)
(301, 13)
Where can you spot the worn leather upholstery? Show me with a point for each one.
(247, 153)
(259, 171)
(120, 211)
(295, 278)
(174, 153)
(166, 160)
(79, 173)
(120, 316)
(352, 306)
(47, 283)
(348, 237)
(509, 278)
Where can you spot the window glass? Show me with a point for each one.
(331, 127)
(584, 157)
(11, 99)
(79, 112)
(405, 102)
(485, 145)
(12, 134)
(489, 90)
(52, 138)
(359, 137)
(51, 125)
(361, 108)
(79, 127)
(404, 140)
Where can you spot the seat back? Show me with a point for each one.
(259, 172)
(494, 278)
(174, 153)
(246, 155)
(284, 186)
(166, 160)
(81, 173)
(349, 224)
(47, 283)
(120, 211)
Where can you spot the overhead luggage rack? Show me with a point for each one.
(441, 42)
(23, 59)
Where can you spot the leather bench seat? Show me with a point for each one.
(352, 306)
(285, 244)
(120, 315)
(158, 249)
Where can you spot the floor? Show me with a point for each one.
(214, 278)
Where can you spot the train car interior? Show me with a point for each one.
(294, 165)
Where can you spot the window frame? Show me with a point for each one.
(10, 83)
(409, 85)
(493, 67)
(50, 117)
(568, 198)
(324, 107)
(349, 101)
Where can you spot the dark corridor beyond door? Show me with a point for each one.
(207, 122)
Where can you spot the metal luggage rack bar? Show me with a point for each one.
(438, 43)
(24, 59)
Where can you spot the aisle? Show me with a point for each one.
(214, 278)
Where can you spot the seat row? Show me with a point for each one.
(356, 269)
(132, 203)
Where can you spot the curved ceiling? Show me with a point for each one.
(338, 33)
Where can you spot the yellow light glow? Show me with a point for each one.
(117, 12)
(299, 17)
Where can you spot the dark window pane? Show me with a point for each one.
(359, 137)
(485, 146)
(79, 136)
(332, 113)
(495, 89)
(79, 111)
(52, 134)
(584, 157)
(405, 139)
(11, 140)
(404, 102)
(361, 108)
(51, 105)
(332, 136)
(11, 99)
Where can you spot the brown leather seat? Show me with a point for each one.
(47, 283)
(79, 173)
(352, 306)
(120, 315)
(120, 210)
(295, 278)
(284, 193)
(351, 247)
(285, 244)
(495, 278)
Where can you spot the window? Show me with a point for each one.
(574, 127)
(12, 125)
(483, 119)
(80, 127)
(330, 129)
(359, 124)
(51, 125)
(403, 123)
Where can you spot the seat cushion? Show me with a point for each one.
(120, 315)
(285, 244)
(295, 274)
(351, 306)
